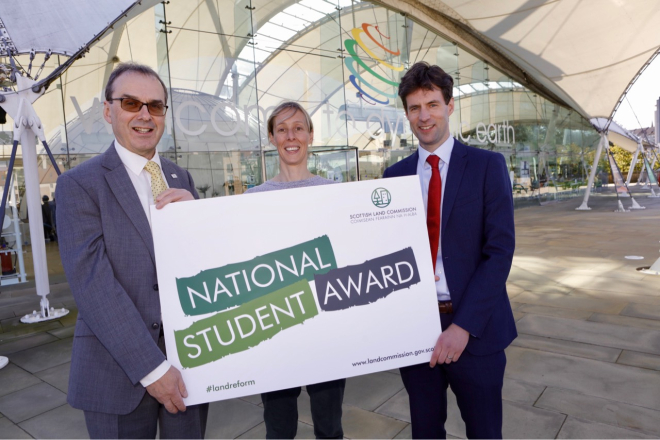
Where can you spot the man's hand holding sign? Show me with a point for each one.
(450, 345)
(170, 391)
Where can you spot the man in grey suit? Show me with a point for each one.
(120, 376)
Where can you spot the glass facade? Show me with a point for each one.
(227, 64)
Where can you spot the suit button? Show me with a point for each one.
(156, 287)
(155, 326)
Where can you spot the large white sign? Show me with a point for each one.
(272, 290)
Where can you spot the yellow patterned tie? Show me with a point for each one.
(158, 185)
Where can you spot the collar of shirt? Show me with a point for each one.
(135, 162)
(443, 151)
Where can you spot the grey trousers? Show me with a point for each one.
(144, 420)
(147, 417)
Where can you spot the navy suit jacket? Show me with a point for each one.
(108, 255)
(477, 240)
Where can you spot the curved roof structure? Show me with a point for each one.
(62, 27)
(586, 52)
(43, 25)
(617, 134)
(580, 53)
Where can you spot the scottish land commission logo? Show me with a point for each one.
(381, 198)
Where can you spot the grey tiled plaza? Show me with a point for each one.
(586, 363)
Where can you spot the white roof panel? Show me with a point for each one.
(588, 50)
(617, 134)
(585, 52)
(63, 26)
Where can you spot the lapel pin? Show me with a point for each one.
(173, 176)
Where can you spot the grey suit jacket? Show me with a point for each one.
(108, 255)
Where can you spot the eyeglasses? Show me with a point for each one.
(134, 106)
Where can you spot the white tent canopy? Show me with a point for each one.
(617, 134)
(585, 51)
(64, 27)
(49, 24)
(61, 26)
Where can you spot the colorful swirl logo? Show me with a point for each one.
(354, 58)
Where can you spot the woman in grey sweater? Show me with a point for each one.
(290, 129)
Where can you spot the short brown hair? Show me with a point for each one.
(288, 105)
(424, 76)
(131, 67)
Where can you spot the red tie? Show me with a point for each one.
(433, 206)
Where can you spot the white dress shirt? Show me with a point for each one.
(424, 172)
(141, 179)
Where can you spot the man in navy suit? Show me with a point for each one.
(119, 375)
(467, 193)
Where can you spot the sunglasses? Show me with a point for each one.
(134, 106)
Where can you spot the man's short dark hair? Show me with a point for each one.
(131, 67)
(424, 76)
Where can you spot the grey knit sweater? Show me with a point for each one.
(269, 185)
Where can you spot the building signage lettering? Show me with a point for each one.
(376, 123)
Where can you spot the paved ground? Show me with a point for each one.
(586, 363)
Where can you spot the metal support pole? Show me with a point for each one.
(633, 164)
(8, 180)
(643, 178)
(634, 204)
(13, 228)
(655, 158)
(592, 175)
(33, 196)
(27, 126)
(17, 232)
